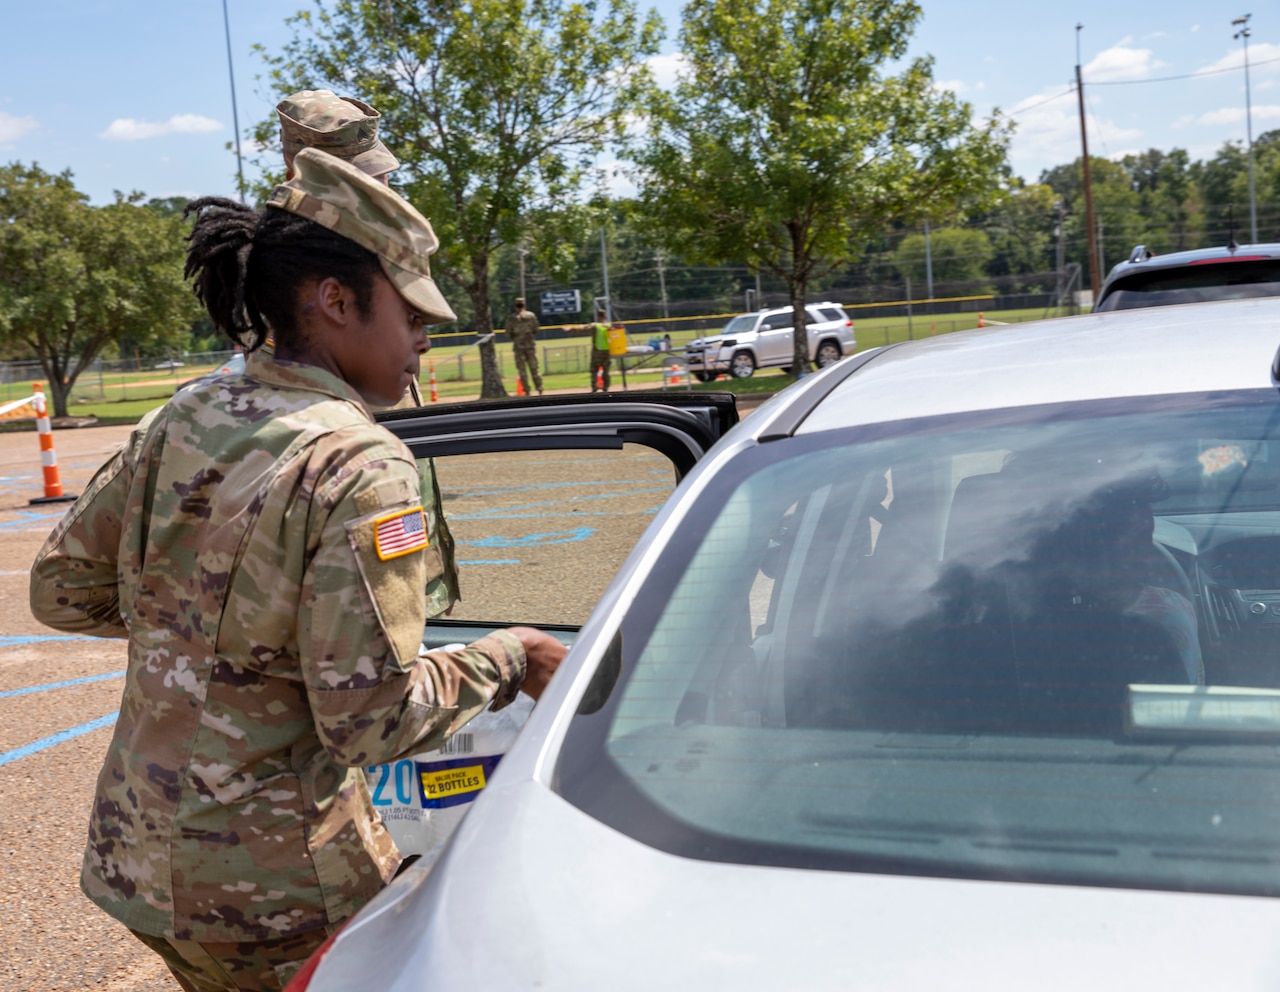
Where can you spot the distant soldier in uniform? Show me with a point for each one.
(522, 332)
(261, 543)
(348, 128)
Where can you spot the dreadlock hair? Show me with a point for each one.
(248, 267)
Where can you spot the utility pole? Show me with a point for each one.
(604, 267)
(523, 252)
(1102, 254)
(928, 262)
(1060, 259)
(235, 116)
(1243, 34)
(662, 285)
(1095, 281)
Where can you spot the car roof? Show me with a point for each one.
(1202, 347)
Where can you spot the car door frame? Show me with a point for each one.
(683, 425)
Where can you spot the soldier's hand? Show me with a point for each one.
(543, 654)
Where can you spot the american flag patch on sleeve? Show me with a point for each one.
(400, 533)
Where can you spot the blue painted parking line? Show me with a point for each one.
(491, 561)
(53, 740)
(60, 685)
(31, 521)
(531, 540)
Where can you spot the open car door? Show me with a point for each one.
(544, 498)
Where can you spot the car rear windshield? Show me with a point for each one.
(1037, 645)
(1199, 283)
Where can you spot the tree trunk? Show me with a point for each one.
(491, 387)
(800, 340)
(59, 384)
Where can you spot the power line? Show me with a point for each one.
(1189, 75)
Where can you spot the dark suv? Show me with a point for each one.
(1149, 280)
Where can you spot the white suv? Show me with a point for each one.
(764, 340)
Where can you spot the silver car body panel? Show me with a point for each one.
(1055, 362)
(533, 893)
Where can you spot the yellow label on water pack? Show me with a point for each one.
(452, 781)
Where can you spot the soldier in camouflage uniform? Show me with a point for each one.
(522, 332)
(348, 128)
(260, 541)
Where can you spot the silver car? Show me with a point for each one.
(955, 665)
(765, 339)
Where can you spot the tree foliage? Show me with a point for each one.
(76, 279)
(957, 254)
(787, 140)
(495, 108)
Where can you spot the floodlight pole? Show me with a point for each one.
(1095, 281)
(235, 116)
(1243, 34)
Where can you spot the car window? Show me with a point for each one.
(740, 324)
(539, 535)
(828, 313)
(1195, 284)
(1038, 645)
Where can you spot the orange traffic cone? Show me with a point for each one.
(520, 391)
(675, 375)
(600, 378)
(981, 322)
(435, 397)
(48, 459)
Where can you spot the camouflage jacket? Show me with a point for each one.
(261, 544)
(522, 328)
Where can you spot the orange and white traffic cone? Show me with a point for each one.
(48, 459)
(435, 397)
(981, 321)
(520, 390)
(676, 370)
(600, 378)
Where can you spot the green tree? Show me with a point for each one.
(787, 141)
(957, 254)
(1020, 229)
(495, 108)
(76, 279)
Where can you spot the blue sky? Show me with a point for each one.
(134, 95)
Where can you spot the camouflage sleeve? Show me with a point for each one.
(374, 697)
(74, 580)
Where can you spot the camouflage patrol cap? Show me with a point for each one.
(339, 125)
(339, 196)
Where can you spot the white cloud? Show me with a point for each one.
(1121, 62)
(1048, 132)
(1261, 52)
(128, 129)
(950, 85)
(12, 128)
(666, 68)
(1195, 28)
(1235, 115)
